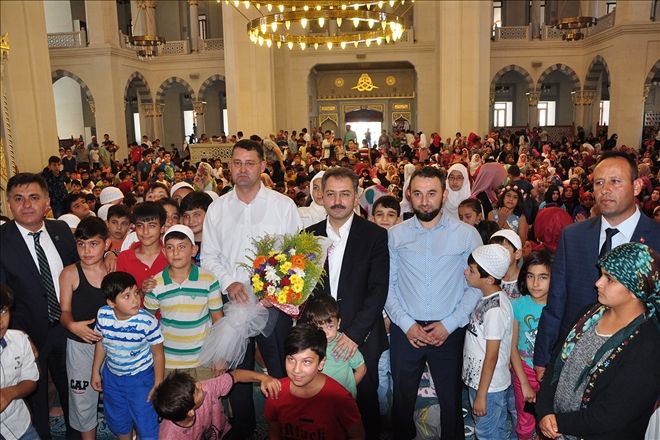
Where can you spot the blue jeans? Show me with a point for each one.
(494, 424)
(384, 383)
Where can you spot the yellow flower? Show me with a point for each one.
(280, 258)
(271, 253)
(257, 284)
(281, 298)
(297, 283)
(284, 267)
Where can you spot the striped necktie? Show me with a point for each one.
(54, 310)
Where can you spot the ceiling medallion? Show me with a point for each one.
(390, 80)
(339, 81)
(365, 84)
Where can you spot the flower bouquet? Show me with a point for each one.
(283, 273)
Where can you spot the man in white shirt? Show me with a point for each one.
(232, 222)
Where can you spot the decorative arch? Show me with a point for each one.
(512, 68)
(564, 68)
(142, 87)
(206, 84)
(652, 73)
(60, 73)
(160, 94)
(597, 68)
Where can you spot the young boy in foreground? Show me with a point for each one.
(311, 404)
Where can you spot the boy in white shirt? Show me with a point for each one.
(18, 378)
(487, 348)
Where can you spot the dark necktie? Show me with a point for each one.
(54, 310)
(3, 343)
(607, 246)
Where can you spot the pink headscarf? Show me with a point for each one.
(491, 175)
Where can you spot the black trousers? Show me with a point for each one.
(445, 364)
(52, 358)
(272, 349)
(367, 399)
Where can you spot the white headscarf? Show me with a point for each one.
(408, 169)
(454, 198)
(313, 213)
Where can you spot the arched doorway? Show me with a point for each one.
(74, 106)
(597, 91)
(556, 86)
(175, 97)
(137, 104)
(213, 104)
(652, 100)
(366, 123)
(510, 90)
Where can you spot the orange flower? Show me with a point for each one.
(258, 261)
(298, 261)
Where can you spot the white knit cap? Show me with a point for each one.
(110, 194)
(103, 212)
(180, 185)
(510, 235)
(493, 258)
(183, 229)
(70, 219)
(214, 195)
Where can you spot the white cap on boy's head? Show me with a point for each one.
(178, 186)
(510, 235)
(183, 229)
(71, 219)
(214, 195)
(493, 258)
(103, 212)
(110, 194)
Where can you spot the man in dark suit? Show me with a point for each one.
(27, 243)
(358, 278)
(574, 271)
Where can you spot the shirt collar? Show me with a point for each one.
(193, 276)
(626, 227)
(418, 225)
(261, 194)
(343, 229)
(26, 232)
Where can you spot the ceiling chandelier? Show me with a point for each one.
(306, 24)
(145, 46)
(572, 27)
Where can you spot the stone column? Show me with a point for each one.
(532, 109)
(491, 110)
(157, 112)
(535, 19)
(582, 101)
(194, 25)
(147, 114)
(200, 122)
(101, 17)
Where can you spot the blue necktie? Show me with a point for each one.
(607, 246)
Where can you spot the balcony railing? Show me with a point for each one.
(176, 47)
(67, 39)
(211, 44)
(604, 22)
(512, 33)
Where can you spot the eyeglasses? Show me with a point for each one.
(246, 164)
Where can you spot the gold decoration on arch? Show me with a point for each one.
(365, 84)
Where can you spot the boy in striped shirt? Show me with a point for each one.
(189, 300)
(128, 361)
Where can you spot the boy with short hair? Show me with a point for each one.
(132, 348)
(487, 348)
(119, 223)
(189, 300)
(386, 211)
(145, 258)
(323, 312)
(311, 403)
(193, 209)
(511, 241)
(19, 377)
(80, 299)
(192, 409)
(76, 204)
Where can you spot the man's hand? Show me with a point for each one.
(540, 372)
(437, 332)
(387, 323)
(237, 293)
(479, 405)
(548, 426)
(418, 337)
(345, 348)
(82, 330)
(6, 397)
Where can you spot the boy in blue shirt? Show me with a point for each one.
(132, 348)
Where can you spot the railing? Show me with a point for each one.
(67, 39)
(604, 22)
(408, 36)
(210, 44)
(512, 33)
(176, 47)
(551, 33)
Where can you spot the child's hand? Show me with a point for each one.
(5, 398)
(82, 330)
(271, 387)
(151, 393)
(479, 406)
(148, 284)
(97, 384)
(528, 393)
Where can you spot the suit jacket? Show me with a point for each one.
(363, 284)
(19, 271)
(574, 275)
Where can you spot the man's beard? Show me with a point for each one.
(427, 216)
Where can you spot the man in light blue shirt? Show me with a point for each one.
(429, 303)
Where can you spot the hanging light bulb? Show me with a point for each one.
(318, 7)
(368, 43)
(355, 43)
(379, 40)
(290, 45)
(263, 28)
(273, 26)
(329, 45)
(305, 8)
(260, 40)
(246, 3)
(316, 46)
(321, 21)
(342, 45)
(287, 25)
(383, 24)
(371, 23)
(343, 7)
(302, 45)
(303, 23)
(339, 21)
(387, 38)
(257, 5)
(269, 42)
(380, 4)
(356, 22)
(281, 7)
(368, 6)
(236, 3)
(279, 44)
(356, 6)
(270, 7)
(392, 3)
(392, 26)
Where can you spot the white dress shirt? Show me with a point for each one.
(16, 365)
(626, 230)
(231, 225)
(54, 259)
(336, 252)
(312, 214)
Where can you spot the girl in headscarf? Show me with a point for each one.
(458, 189)
(423, 145)
(522, 164)
(490, 177)
(475, 163)
(603, 383)
(315, 212)
(408, 169)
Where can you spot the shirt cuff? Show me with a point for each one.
(406, 323)
(450, 324)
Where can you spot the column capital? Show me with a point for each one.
(533, 98)
(647, 91)
(491, 99)
(193, 2)
(583, 97)
(199, 107)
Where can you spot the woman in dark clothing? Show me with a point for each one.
(604, 381)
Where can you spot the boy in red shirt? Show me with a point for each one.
(311, 404)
